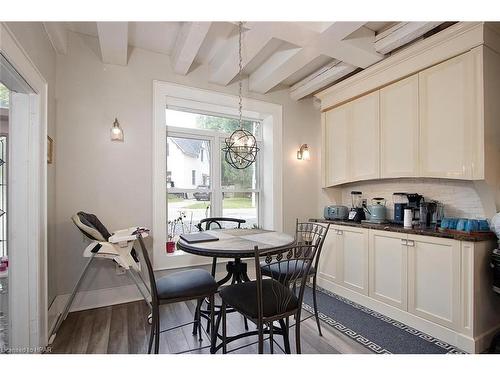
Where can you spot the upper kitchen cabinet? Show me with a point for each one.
(451, 118)
(399, 129)
(337, 141)
(429, 110)
(352, 141)
(364, 138)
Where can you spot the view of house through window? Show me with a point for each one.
(200, 183)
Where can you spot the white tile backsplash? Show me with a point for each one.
(460, 198)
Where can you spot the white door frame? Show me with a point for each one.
(28, 311)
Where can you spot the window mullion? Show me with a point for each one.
(216, 170)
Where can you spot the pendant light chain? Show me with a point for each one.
(240, 150)
(240, 80)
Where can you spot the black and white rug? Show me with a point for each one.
(371, 329)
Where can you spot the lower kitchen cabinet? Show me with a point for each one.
(388, 260)
(328, 261)
(434, 279)
(352, 256)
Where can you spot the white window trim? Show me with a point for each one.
(175, 95)
(28, 230)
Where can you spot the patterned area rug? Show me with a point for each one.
(371, 329)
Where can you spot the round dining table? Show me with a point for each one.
(235, 244)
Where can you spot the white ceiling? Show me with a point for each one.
(305, 56)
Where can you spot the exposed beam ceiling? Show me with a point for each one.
(304, 56)
(189, 41)
(401, 34)
(320, 78)
(113, 40)
(259, 39)
(345, 41)
(58, 36)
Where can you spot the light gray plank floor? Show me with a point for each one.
(124, 329)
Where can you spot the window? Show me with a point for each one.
(210, 116)
(195, 147)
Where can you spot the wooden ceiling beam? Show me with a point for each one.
(58, 36)
(113, 41)
(188, 43)
(401, 34)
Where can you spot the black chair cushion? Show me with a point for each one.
(185, 284)
(91, 226)
(276, 298)
(286, 269)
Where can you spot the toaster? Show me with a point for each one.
(336, 212)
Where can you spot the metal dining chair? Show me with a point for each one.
(193, 284)
(305, 233)
(266, 300)
(207, 224)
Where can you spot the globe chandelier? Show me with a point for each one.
(241, 147)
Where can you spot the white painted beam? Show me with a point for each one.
(356, 49)
(401, 34)
(259, 38)
(113, 40)
(278, 68)
(188, 43)
(320, 79)
(58, 36)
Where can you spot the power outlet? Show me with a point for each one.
(119, 270)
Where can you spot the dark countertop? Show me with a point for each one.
(476, 237)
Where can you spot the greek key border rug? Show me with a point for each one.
(377, 332)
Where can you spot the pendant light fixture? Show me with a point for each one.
(241, 147)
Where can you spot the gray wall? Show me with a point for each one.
(114, 180)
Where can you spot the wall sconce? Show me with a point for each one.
(303, 153)
(116, 131)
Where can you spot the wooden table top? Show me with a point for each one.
(237, 243)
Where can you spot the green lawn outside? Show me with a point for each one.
(228, 203)
(173, 198)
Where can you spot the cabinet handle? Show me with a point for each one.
(339, 232)
(404, 242)
(411, 243)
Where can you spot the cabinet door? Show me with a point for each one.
(388, 272)
(353, 258)
(449, 117)
(328, 262)
(364, 140)
(336, 145)
(399, 129)
(434, 279)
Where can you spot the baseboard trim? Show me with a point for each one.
(457, 339)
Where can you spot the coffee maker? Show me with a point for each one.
(357, 212)
(400, 203)
(414, 200)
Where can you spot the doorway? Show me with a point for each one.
(23, 134)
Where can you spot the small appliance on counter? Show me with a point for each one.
(400, 201)
(426, 214)
(336, 212)
(377, 211)
(414, 200)
(357, 212)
